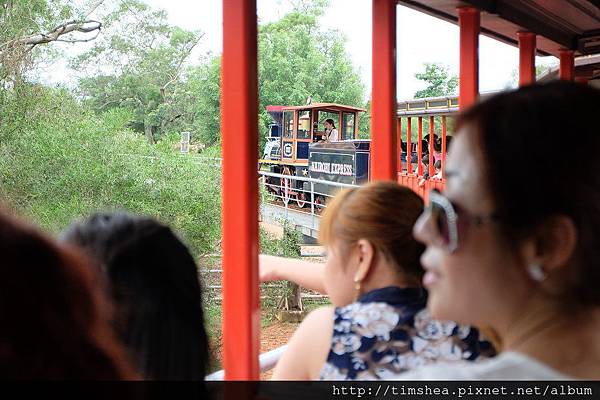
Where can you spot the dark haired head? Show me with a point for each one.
(437, 144)
(425, 159)
(53, 317)
(545, 128)
(154, 282)
(330, 121)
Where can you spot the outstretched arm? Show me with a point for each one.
(307, 274)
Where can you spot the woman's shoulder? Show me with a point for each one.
(506, 366)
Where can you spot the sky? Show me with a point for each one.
(420, 39)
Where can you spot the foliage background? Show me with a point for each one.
(60, 162)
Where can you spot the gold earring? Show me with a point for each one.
(357, 283)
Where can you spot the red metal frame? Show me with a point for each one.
(443, 147)
(468, 22)
(399, 144)
(431, 158)
(383, 105)
(566, 71)
(527, 46)
(420, 149)
(239, 118)
(409, 145)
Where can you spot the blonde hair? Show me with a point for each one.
(382, 213)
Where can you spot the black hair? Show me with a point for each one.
(437, 144)
(331, 121)
(154, 283)
(403, 146)
(545, 128)
(54, 318)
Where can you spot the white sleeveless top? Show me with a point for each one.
(333, 135)
(509, 365)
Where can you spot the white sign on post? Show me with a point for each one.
(185, 142)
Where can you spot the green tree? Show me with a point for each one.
(439, 82)
(139, 65)
(204, 83)
(540, 70)
(60, 162)
(297, 60)
(25, 26)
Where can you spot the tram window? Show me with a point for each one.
(324, 115)
(348, 124)
(288, 124)
(303, 131)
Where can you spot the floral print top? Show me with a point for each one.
(388, 331)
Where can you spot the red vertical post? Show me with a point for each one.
(399, 143)
(566, 71)
(527, 45)
(239, 121)
(420, 149)
(431, 140)
(408, 145)
(468, 22)
(443, 146)
(383, 106)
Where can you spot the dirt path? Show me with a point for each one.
(273, 336)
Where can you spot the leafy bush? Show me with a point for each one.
(60, 162)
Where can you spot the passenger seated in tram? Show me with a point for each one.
(378, 325)
(153, 281)
(438, 169)
(54, 317)
(520, 255)
(437, 149)
(425, 170)
(331, 132)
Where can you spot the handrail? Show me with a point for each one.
(282, 191)
(303, 179)
(267, 361)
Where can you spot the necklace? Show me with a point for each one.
(532, 332)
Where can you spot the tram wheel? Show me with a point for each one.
(301, 199)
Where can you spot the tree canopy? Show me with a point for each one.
(25, 25)
(439, 82)
(297, 60)
(138, 65)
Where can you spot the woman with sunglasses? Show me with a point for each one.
(515, 254)
(379, 326)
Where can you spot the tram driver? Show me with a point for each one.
(331, 132)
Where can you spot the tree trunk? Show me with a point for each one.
(148, 132)
(292, 299)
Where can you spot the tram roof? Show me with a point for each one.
(573, 24)
(324, 107)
